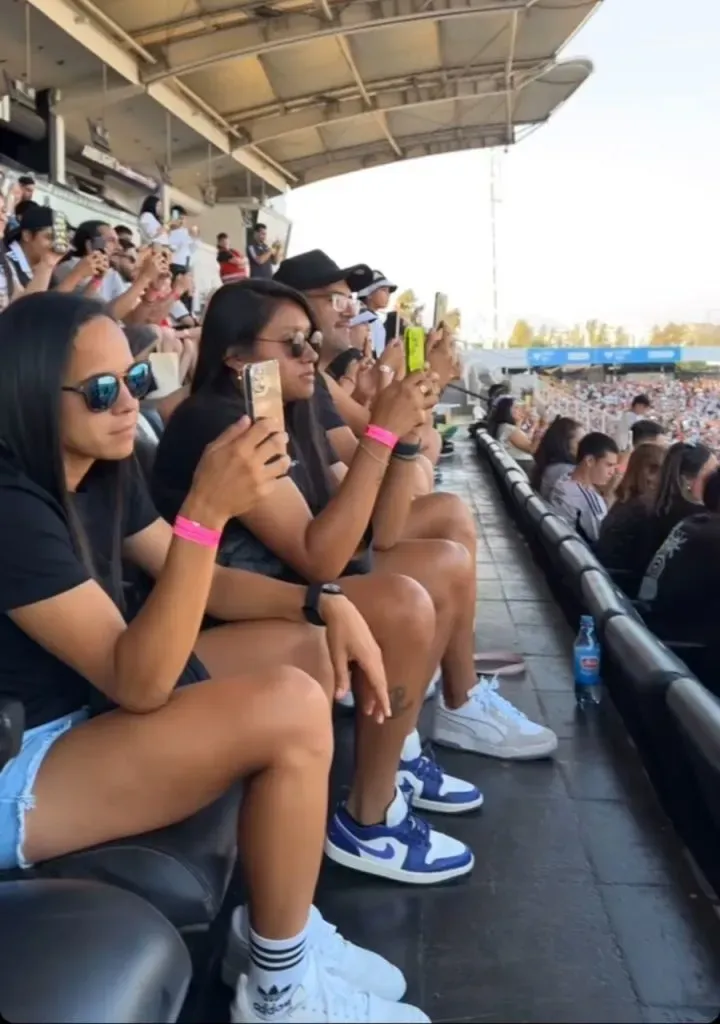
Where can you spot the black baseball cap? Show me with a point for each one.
(315, 269)
(26, 179)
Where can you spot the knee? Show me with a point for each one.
(407, 609)
(455, 566)
(303, 713)
(458, 518)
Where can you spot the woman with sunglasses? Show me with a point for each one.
(310, 529)
(72, 510)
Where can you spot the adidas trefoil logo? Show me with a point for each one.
(273, 1001)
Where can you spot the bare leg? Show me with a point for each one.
(445, 570)
(442, 516)
(274, 730)
(401, 617)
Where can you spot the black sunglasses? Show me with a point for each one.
(102, 391)
(297, 343)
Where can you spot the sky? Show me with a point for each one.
(610, 211)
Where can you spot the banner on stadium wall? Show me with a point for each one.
(546, 357)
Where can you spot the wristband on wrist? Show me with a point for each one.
(382, 436)
(196, 533)
(406, 450)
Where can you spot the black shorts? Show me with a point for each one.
(194, 672)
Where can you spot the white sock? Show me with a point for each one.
(277, 967)
(411, 747)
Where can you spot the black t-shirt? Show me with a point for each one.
(265, 269)
(617, 546)
(198, 421)
(680, 587)
(325, 409)
(38, 561)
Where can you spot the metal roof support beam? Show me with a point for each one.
(411, 94)
(378, 114)
(86, 29)
(255, 36)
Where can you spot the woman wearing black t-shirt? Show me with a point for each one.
(72, 507)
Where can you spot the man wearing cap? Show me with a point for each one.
(329, 290)
(376, 298)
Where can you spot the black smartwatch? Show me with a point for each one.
(312, 600)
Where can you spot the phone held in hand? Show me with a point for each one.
(414, 349)
(60, 233)
(263, 391)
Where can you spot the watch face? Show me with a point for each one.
(331, 588)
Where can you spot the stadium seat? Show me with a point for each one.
(600, 597)
(81, 951)
(697, 713)
(554, 531)
(536, 511)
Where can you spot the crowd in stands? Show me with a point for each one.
(688, 409)
(648, 507)
(171, 629)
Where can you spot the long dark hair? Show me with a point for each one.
(150, 205)
(37, 334)
(683, 462)
(500, 413)
(554, 448)
(236, 315)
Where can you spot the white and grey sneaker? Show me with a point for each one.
(323, 998)
(360, 968)
(488, 724)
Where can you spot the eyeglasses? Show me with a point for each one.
(340, 302)
(299, 341)
(102, 391)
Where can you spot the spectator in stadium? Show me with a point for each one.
(233, 265)
(263, 258)
(150, 222)
(503, 426)
(376, 299)
(72, 507)
(577, 497)
(679, 591)
(639, 409)
(124, 234)
(309, 529)
(680, 491)
(629, 517)
(556, 454)
(26, 184)
(432, 517)
(30, 261)
(344, 369)
(648, 432)
(106, 284)
(361, 336)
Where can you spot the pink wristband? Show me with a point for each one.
(186, 529)
(381, 435)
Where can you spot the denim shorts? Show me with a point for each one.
(17, 782)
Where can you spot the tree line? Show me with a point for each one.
(595, 333)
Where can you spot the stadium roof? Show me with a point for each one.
(300, 90)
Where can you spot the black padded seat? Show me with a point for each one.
(575, 558)
(697, 712)
(183, 870)
(81, 951)
(600, 597)
(536, 511)
(553, 531)
(520, 491)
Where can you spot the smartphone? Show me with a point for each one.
(414, 349)
(98, 244)
(440, 310)
(60, 240)
(263, 391)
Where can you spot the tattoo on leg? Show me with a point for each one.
(399, 701)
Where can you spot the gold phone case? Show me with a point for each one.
(263, 391)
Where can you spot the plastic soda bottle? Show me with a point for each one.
(586, 664)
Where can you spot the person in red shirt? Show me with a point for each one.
(233, 264)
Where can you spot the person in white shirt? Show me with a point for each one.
(182, 242)
(577, 497)
(150, 225)
(376, 298)
(639, 409)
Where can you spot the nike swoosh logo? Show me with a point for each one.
(387, 853)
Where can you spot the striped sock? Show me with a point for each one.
(277, 966)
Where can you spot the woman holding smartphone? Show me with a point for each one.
(73, 510)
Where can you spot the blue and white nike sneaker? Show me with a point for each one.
(429, 788)
(403, 848)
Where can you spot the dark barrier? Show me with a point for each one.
(672, 717)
